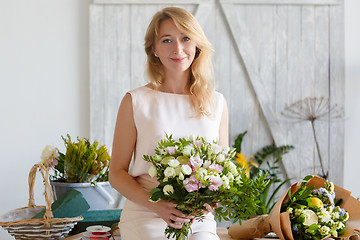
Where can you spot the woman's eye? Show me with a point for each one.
(166, 41)
(186, 39)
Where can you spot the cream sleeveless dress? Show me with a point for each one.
(156, 114)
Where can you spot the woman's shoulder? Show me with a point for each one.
(140, 90)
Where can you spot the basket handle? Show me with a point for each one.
(48, 192)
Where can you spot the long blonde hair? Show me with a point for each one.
(201, 71)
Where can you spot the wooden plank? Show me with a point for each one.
(321, 78)
(97, 104)
(150, 2)
(284, 2)
(244, 47)
(337, 93)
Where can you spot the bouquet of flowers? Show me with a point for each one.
(311, 209)
(82, 162)
(315, 213)
(193, 172)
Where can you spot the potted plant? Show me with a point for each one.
(85, 167)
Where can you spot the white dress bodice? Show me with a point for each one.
(157, 114)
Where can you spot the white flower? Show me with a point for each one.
(167, 160)
(49, 156)
(171, 150)
(169, 172)
(220, 158)
(49, 152)
(202, 172)
(310, 217)
(225, 181)
(187, 150)
(186, 169)
(230, 176)
(192, 137)
(181, 176)
(325, 215)
(196, 161)
(173, 163)
(231, 167)
(206, 164)
(216, 148)
(226, 150)
(324, 230)
(152, 171)
(168, 189)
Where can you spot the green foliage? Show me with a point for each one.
(82, 162)
(268, 159)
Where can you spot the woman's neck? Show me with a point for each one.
(176, 83)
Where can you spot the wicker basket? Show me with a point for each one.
(19, 222)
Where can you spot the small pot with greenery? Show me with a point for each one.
(84, 165)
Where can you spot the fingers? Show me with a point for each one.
(177, 222)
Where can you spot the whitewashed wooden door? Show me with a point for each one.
(269, 54)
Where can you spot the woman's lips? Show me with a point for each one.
(178, 59)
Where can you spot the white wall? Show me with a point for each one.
(44, 91)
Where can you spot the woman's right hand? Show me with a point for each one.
(168, 212)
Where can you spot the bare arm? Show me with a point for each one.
(122, 150)
(224, 127)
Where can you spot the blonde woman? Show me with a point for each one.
(179, 100)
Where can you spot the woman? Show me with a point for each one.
(178, 100)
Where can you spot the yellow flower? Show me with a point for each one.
(314, 201)
(245, 163)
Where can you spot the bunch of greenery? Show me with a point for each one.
(270, 156)
(82, 162)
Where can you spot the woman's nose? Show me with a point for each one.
(178, 47)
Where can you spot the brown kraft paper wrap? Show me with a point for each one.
(279, 223)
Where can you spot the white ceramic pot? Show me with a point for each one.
(100, 196)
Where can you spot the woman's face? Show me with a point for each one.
(175, 50)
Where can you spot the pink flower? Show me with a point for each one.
(196, 161)
(191, 184)
(216, 182)
(171, 150)
(198, 143)
(218, 168)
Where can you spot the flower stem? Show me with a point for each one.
(324, 175)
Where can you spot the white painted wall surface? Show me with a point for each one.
(44, 88)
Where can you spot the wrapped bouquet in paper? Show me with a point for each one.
(311, 209)
(195, 174)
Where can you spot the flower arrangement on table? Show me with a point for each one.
(82, 162)
(311, 209)
(315, 213)
(193, 172)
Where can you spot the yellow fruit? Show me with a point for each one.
(182, 159)
(316, 202)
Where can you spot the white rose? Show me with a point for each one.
(310, 217)
(152, 171)
(186, 169)
(169, 172)
(173, 163)
(220, 158)
(181, 176)
(168, 189)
